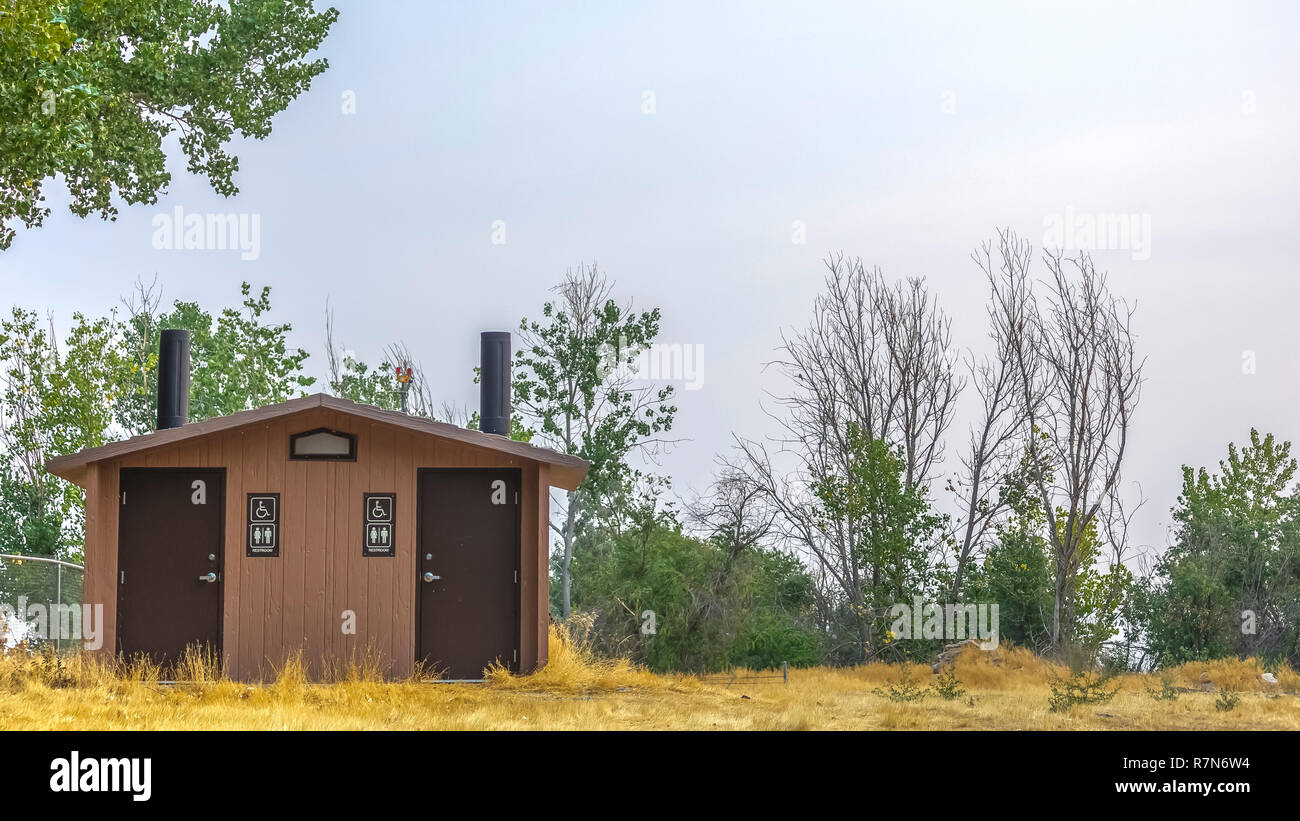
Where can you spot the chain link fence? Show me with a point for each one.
(40, 601)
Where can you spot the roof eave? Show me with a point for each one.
(567, 472)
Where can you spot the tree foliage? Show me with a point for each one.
(896, 532)
(90, 90)
(57, 398)
(678, 602)
(1229, 585)
(1017, 572)
(571, 383)
(99, 384)
(239, 360)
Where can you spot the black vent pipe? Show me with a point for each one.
(173, 379)
(494, 383)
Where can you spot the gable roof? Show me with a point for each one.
(566, 471)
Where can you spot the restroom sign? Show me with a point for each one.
(263, 525)
(378, 520)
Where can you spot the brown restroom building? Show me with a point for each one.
(323, 526)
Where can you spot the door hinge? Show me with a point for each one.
(516, 577)
(124, 497)
(516, 497)
(122, 577)
(516, 659)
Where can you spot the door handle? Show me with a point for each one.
(208, 577)
(429, 577)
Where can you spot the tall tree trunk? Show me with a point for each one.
(967, 544)
(1057, 596)
(864, 638)
(1063, 607)
(566, 582)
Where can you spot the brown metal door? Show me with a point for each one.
(468, 593)
(169, 561)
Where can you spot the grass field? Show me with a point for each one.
(1008, 689)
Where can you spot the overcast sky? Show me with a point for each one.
(682, 145)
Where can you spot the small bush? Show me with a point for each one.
(1167, 691)
(1083, 687)
(904, 688)
(1227, 701)
(948, 687)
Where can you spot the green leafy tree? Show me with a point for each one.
(357, 381)
(678, 602)
(238, 360)
(100, 382)
(397, 383)
(1230, 583)
(1017, 574)
(572, 386)
(1101, 596)
(518, 430)
(895, 531)
(757, 604)
(57, 399)
(89, 90)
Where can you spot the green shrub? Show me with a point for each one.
(904, 689)
(1083, 687)
(1166, 691)
(1227, 701)
(948, 687)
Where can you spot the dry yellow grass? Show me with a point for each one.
(1005, 690)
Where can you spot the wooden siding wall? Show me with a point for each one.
(276, 606)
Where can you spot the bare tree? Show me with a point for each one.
(1080, 377)
(995, 445)
(735, 514)
(880, 356)
(454, 413)
(918, 340)
(877, 356)
(829, 546)
(737, 518)
(1057, 394)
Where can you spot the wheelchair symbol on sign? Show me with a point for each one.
(262, 508)
(378, 512)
